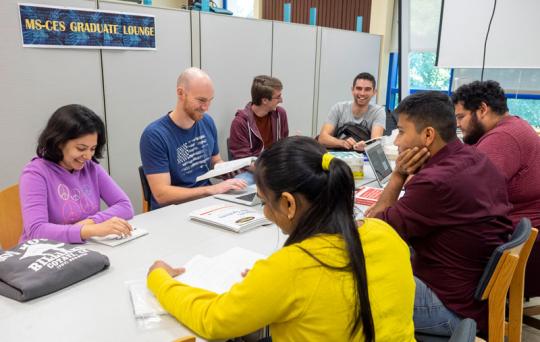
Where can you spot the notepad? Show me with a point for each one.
(231, 217)
(217, 274)
(366, 195)
(115, 240)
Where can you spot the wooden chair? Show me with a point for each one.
(504, 276)
(10, 217)
(145, 188)
(529, 313)
(186, 339)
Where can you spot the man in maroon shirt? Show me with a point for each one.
(262, 122)
(514, 147)
(453, 213)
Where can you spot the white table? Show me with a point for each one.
(99, 308)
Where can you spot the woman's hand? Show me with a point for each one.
(173, 272)
(114, 225)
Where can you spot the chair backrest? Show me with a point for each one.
(147, 194)
(518, 238)
(502, 272)
(229, 153)
(10, 217)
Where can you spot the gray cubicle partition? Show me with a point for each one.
(233, 51)
(35, 82)
(293, 62)
(133, 88)
(140, 86)
(344, 54)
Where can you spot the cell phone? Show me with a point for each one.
(367, 142)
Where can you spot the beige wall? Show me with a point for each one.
(381, 23)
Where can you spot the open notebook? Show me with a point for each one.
(217, 274)
(115, 240)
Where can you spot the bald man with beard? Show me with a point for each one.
(183, 144)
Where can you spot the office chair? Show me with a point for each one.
(145, 188)
(229, 153)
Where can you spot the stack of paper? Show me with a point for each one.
(231, 217)
(217, 274)
(366, 195)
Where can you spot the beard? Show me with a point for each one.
(193, 114)
(476, 131)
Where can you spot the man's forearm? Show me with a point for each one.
(171, 194)
(330, 141)
(389, 195)
(391, 192)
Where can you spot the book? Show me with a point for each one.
(217, 274)
(227, 167)
(230, 216)
(115, 240)
(220, 273)
(366, 195)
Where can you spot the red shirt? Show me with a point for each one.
(454, 213)
(514, 147)
(264, 124)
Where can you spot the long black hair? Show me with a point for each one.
(67, 123)
(294, 165)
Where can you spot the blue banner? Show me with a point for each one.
(46, 26)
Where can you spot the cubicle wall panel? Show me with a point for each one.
(140, 86)
(344, 54)
(233, 51)
(35, 82)
(293, 62)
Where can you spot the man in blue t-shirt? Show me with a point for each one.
(182, 145)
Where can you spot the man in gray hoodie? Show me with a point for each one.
(262, 122)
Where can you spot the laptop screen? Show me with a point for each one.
(379, 162)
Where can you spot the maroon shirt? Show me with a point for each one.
(514, 147)
(454, 213)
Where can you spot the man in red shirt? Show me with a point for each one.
(453, 213)
(514, 147)
(262, 122)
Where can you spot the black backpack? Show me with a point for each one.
(359, 132)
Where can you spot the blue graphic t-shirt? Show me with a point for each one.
(184, 153)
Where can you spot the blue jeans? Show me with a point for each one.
(430, 314)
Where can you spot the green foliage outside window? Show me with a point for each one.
(424, 75)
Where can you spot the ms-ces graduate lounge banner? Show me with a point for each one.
(47, 26)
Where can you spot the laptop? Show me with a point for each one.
(379, 162)
(246, 197)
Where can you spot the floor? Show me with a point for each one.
(531, 334)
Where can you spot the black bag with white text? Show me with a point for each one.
(38, 267)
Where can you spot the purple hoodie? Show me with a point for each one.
(53, 199)
(245, 139)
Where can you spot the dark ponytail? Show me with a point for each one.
(294, 165)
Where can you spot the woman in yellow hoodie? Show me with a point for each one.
(332, 281)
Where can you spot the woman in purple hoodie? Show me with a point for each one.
(61, 188)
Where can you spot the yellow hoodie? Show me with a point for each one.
(299, 298)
